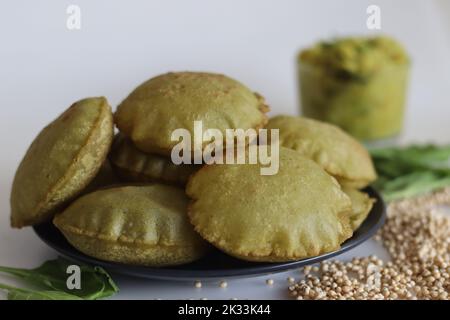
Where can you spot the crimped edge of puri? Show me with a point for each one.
(45, 208)
(106, 238)
(119, 158)
(273, 256)
(351, 183)
(125, 174)
(348, 180)
(357, 221)
(131, 254)
(345, 177)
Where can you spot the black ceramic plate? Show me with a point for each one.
(216, 265)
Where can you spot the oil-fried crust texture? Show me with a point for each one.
(362, 203)
(82, 169)
(150, 114)
(144, 224)
(298, 213)
(133, 165)
(337, 152)
(130, 253)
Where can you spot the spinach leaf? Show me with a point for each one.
(410, 171)
(52, 275)
(415, 157)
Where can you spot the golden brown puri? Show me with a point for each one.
(299, 212)
(151, 113)
(361, 206)
(139, 225)
(61, 161)
(133, 165)
(105, 177)
(337, 152)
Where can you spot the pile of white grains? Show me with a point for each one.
(417, 237)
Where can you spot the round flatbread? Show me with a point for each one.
(361, 206)
(104, 178)
(297, 213)
(63, 159)
(139, 225)
(133, 165)
(155, 109)
(337, 152)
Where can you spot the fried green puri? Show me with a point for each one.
(133, 165)
(151, 113)
(63, 159)
(139, 225)
(361, 206)
(297, 213)
(338, 153)
(105, 177)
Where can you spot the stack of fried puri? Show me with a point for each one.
(122, 198)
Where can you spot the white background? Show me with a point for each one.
(44, 67)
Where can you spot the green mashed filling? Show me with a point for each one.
(358, 84)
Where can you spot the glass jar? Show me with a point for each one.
(368, 107)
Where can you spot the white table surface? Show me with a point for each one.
(44, 68)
